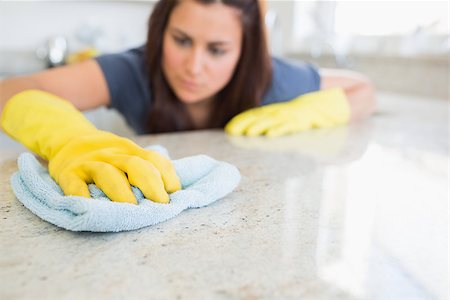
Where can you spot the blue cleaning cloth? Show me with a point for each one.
(203, 179)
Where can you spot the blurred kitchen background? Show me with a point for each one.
(403, 46)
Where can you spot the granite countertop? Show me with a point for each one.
(358, 212)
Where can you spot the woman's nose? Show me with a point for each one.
(195, 62)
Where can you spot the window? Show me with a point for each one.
(382, 18)
(382, 27)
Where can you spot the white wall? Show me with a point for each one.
(25, 25)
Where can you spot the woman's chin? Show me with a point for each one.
(189, 98)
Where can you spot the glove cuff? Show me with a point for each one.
(43, 122)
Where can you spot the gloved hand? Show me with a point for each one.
(78, 153)
(321, 109)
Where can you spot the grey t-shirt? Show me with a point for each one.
(130, 92)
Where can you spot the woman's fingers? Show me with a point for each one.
(164, 166)
(144, 175)
(147, 178)
(108, 178)
(239, 124)
(73, 185)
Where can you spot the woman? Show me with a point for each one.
(205, 62)
(242, 75)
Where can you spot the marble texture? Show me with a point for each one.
(358, 212)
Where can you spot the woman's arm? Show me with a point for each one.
(82, 84)
(358, 88)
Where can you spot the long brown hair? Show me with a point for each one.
(245, 89)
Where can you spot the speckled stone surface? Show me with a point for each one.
(348, 213)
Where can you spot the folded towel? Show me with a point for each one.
(203, 179)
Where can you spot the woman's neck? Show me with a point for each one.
(200, 113)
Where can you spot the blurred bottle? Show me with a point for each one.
(54, 51)
(82, 55)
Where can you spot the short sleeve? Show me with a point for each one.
(290, 80)
(128, 85)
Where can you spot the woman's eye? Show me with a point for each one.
(182, 41)
(216, 51)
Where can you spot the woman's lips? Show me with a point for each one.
(189, 85)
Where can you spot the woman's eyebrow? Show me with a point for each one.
(178, 31)
(219, 43)
(181, 32)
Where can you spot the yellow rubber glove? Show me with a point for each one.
(321, 109)
(78, 153)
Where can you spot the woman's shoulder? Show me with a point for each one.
(128, 84)
(131, 58)
(290, 79)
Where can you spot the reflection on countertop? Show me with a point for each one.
(358, 212)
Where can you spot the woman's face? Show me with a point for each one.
(201, 48)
